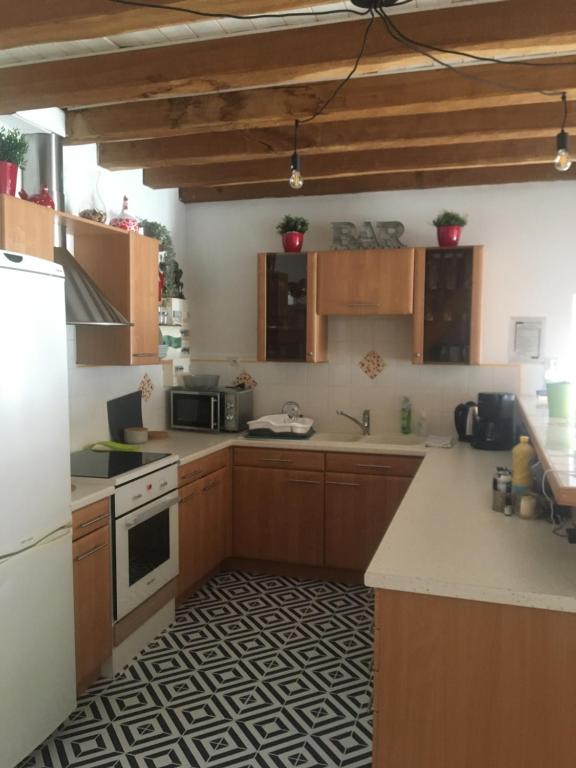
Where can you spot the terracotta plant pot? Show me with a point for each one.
(292, 241)
(8, 175)
(448, 237)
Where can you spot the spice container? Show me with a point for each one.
(502, 491)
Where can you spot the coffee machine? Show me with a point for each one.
(495, 426)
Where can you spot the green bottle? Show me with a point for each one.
(406, 416)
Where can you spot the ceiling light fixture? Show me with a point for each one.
(563, 161)
(296, 181)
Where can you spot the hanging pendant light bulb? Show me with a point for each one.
(296, 181)
(563, 161)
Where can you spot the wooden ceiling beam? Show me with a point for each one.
(320, 52)
(490, 154)
(62, 20)
(379, 183)
(481, 125)
(417, 93)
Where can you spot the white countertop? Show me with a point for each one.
(446, 540)
(88, 490)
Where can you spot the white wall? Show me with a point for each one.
(528, 230)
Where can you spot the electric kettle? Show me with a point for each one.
(465, 419)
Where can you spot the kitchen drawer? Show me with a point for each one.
(267, 458)
(194, 470)
(372, 464)
(90, 518)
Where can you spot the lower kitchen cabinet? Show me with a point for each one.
(92, 599)
(204, 528)
(278, 515)
(357, 515)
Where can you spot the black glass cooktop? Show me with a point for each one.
(109, 463)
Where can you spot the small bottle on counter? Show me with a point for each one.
(422, 424)
(522, 457)
(406, 416)
(502, 491)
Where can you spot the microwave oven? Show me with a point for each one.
(216, 410)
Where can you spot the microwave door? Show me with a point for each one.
(193, 410)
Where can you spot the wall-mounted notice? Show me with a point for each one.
(526, 343)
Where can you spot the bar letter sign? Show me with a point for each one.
(346, 236)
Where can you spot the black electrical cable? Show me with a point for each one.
(248, 17)
(565, 105)
(348, 77)
(404, 38)
(462, 71)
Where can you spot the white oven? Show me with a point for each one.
(145, 538)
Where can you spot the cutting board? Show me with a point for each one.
(125, 411)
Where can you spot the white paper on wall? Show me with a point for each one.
(526, 341)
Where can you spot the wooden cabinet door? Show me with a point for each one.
(26, 228)
(203, 528)
(92, 604)
(357, 516)
(278, 515)
(289, 326)
(395, 492)
(447, 305)
(379, 282)
(144, 299)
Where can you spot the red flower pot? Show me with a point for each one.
(8, 175)
(448, 237)
(292, 241)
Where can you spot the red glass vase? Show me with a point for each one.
(448, 237)
(292, 241)
(8, 176)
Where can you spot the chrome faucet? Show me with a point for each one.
(364, 424)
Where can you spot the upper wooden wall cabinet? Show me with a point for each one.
(447, 303)
(376, 282)
(124, 265)
(26, 228)
(289, 326)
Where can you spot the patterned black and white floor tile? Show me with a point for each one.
(256, 672)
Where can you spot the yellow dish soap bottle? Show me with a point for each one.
(522, 456)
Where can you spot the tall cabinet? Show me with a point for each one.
(289, 326)
(447, 299)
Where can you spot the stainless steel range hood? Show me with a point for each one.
(85, 302)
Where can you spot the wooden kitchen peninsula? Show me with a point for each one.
(475, 628)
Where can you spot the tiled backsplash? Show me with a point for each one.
(341, 384)
(90, 389)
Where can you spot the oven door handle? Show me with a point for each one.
(214, 418)
(147, 514)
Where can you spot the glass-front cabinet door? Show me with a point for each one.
(447, 305)
(289, 327)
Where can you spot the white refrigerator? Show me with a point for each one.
(37, 665)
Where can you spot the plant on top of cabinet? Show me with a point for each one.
(292, 229)
(171, 282)
(449, 228)
(13, 150)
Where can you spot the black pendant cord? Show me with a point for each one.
(462, 72)
(237, 17)
(565, 117)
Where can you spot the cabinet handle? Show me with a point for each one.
(90, 552)
(187, 498)
(349, 485)
(374, 466)
(94, 520)
(210, 486)
(279, 461)
(190, 475)
(307, 482)
(362, 304)
(145, 354)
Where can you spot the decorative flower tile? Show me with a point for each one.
(372, 364)
(146, 387)
(246, 379)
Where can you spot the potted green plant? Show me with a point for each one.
(449, 228)
(292, 229)
(13, 149)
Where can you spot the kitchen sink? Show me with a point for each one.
(337, 437)
(390, 438)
